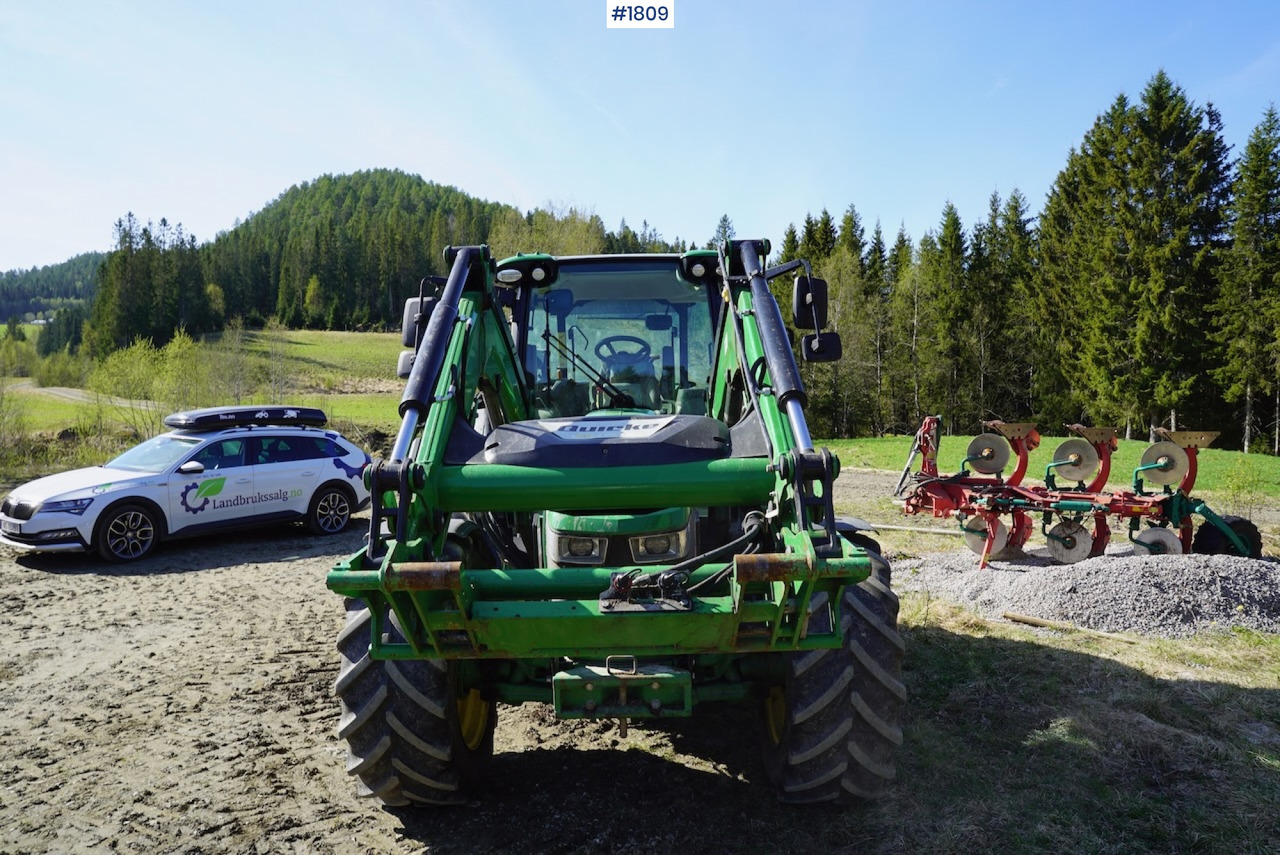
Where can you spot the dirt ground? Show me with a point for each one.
(183, 705)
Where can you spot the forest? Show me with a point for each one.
(1145, 292)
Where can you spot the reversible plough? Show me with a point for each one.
(997, 514)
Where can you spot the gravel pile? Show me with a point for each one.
(1170, 596)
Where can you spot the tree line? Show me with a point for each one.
(42, 291)
(1146, 292)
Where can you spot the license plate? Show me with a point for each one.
(10, 528)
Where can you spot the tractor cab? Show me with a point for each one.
(616, 333)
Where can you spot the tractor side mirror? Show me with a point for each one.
(417, 311)
(821, 347)
(404, 366)
(809, 303)
(559, 303)
(657, 323)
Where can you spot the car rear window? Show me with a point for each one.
(285, 449)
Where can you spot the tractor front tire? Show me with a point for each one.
(833, 728)
(414, 735)
(1210, 540)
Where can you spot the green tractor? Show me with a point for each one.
(603, 496)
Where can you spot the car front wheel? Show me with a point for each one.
(126, 533)
(330, 510)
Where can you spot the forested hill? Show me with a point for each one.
(340, 252)
(344, 251)
(41, 290)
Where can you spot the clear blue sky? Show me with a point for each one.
(203, 112)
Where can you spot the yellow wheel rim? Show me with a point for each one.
(473, 718)
(775, 713)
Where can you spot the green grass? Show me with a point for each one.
(47, 413)
(1022, 741)
(332, 360)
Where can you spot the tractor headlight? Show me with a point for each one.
(659, 544)
(659, 548)
(575, 549)
(580, 547)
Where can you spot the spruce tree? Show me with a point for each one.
(909, 317)
(1248, 307)
(790, 245)
(1127, 255)
(824, 235)
(878, 290)
(944, 261)
(852, 238)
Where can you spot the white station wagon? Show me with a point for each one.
(220, 468)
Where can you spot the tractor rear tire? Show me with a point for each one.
(413, 736)
(831, 731)
(1210, 540)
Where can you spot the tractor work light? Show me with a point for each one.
(575, 549)
(659, 548)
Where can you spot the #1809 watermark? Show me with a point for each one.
(640, 15)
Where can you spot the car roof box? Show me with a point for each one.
(217, 418)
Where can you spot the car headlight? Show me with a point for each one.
(67, 506)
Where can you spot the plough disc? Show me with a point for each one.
(1069, 542)
(988, 453)
(1173, 461)
(975, 535)
(1158, 541)
(1075, 460)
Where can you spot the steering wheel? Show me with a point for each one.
(607, 348)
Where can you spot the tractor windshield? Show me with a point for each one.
(622, 334)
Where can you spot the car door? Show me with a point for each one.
(222, 494)
(286, 471)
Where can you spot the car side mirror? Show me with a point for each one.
(191, 467)
(821, 347)
(809, 303)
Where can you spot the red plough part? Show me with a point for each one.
(983, 500)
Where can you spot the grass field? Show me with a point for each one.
(333, 359)
(1018, 741)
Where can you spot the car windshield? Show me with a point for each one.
(640, 328)
(155, 455)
